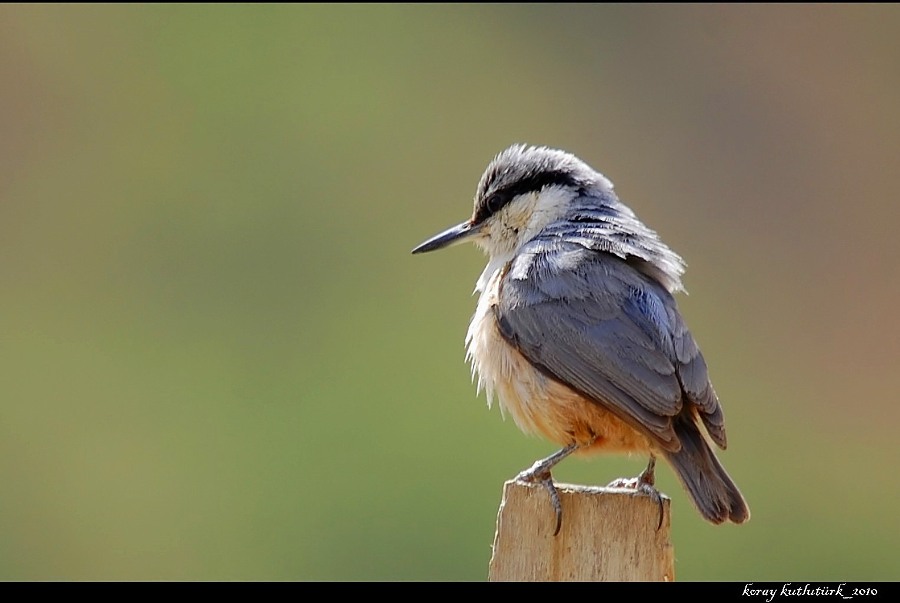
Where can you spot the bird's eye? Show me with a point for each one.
(495, 203)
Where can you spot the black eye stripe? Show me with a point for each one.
(497, 200)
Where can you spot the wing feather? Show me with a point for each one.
(594, 322)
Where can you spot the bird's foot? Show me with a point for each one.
(545, 479)
(643, 484)
(539, 473)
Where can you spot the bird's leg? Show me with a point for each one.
(644, 483)
(539, 473)
(648, 475)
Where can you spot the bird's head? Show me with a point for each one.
(523, 190)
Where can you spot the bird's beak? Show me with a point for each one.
(451, 236)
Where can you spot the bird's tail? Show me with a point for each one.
(711, 488)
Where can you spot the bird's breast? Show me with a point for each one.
(537, 403)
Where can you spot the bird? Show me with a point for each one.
(576, 332)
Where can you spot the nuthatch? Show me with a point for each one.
(576, 331)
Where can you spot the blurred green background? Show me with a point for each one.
(220, 360)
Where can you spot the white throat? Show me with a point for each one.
(519, 222)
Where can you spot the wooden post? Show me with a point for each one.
(607, 534)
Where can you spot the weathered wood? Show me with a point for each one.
(607, 534)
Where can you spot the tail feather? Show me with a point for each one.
(711, 488)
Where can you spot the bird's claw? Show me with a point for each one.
(539, 473)
(644, 484)
(543, 477)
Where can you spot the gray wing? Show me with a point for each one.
(599, 324)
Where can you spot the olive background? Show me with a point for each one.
(219, 361)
